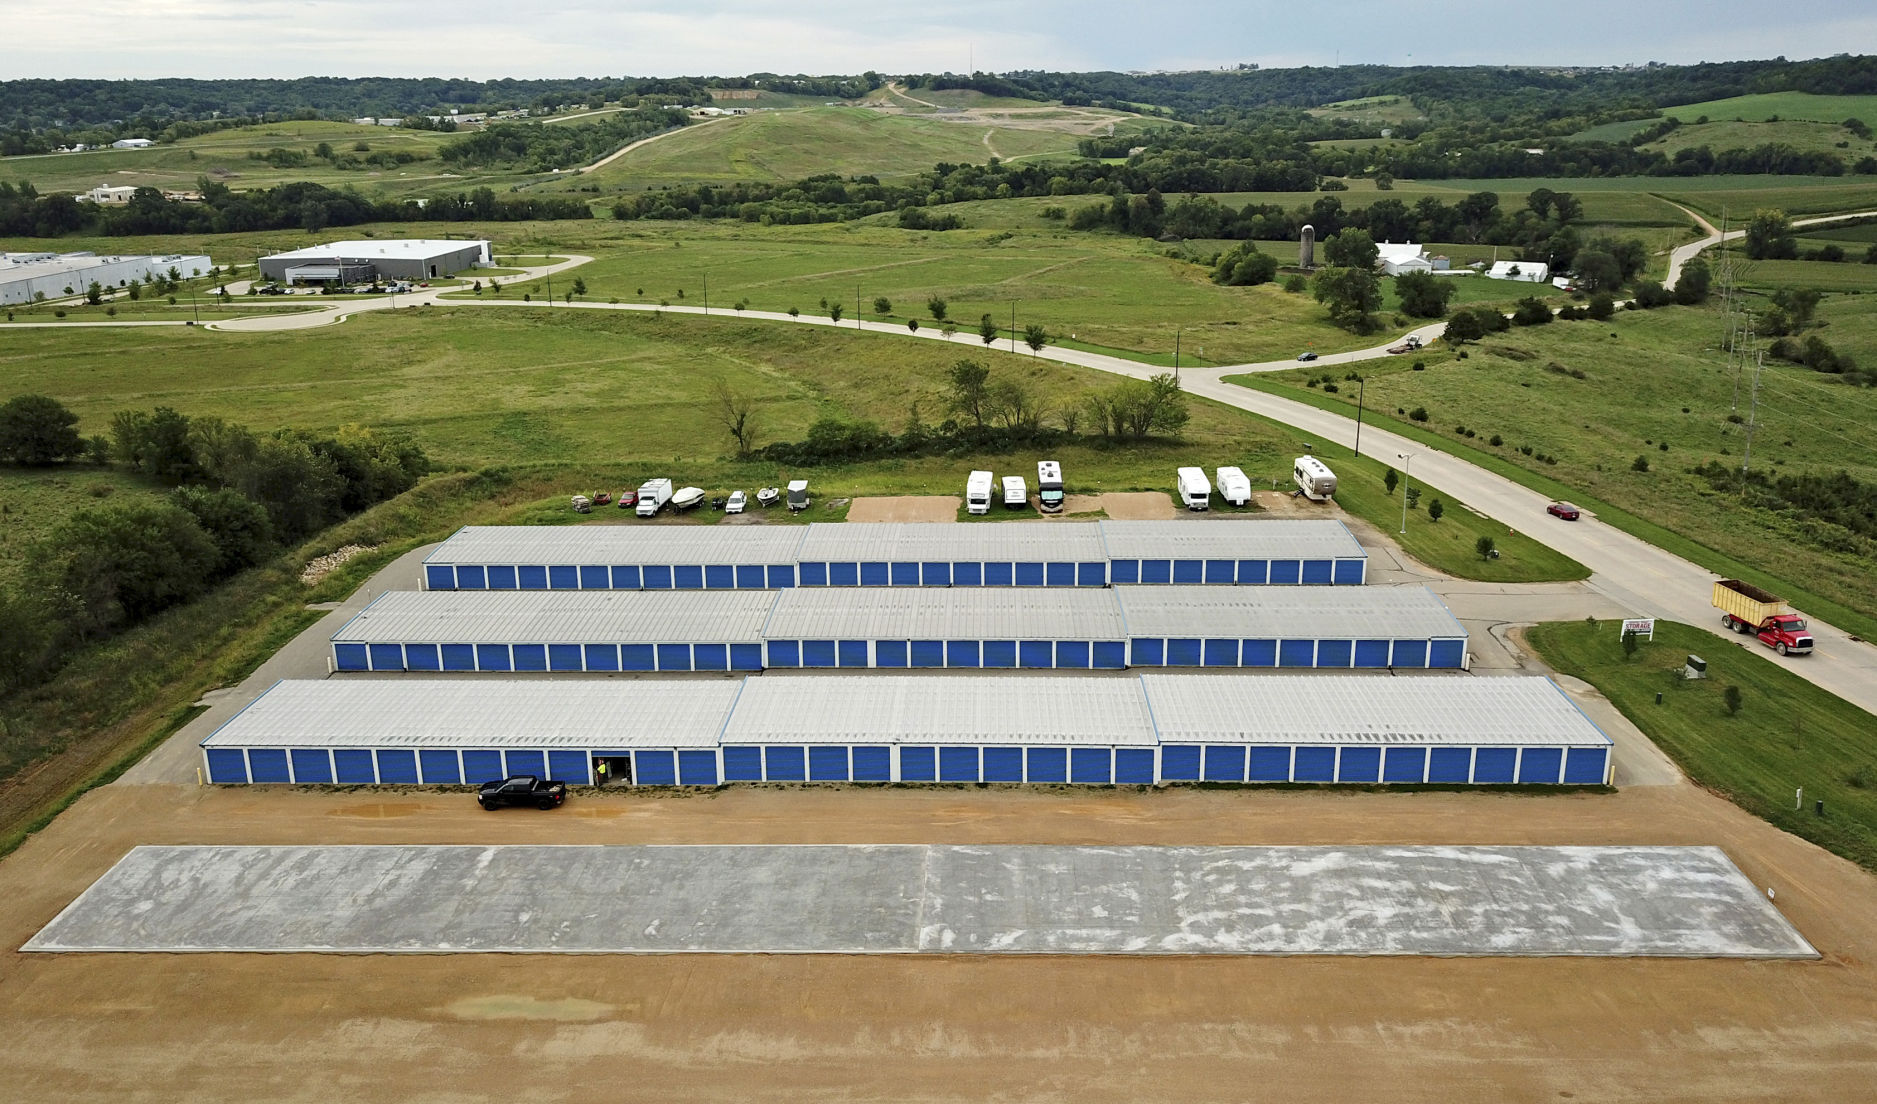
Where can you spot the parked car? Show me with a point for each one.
(602, 498)
(583, 504)
(717, 502)
(628, 499)
(1562, 510)
(735, 504)
(521, 789)
(1306, 356)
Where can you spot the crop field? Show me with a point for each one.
(1800, 134)
(1847, 276)
(1781, 105)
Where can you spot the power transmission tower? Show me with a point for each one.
(1738, 352)
(1753, 416)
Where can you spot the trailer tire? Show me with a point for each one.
(1727, 622)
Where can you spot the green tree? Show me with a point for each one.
(240, 528)
(95, 293)
(835, 311)
(1244, 266)
(1435, 509)
(1463, 327)
(987, 329)
(1352, 248)
(936, 307)
(1602, 306)
(1423, 294)
(1769, 237)
(1694, 283)
(1598, 271)
(1531, 311)
(580, 286)
(323, 151)
(1799, 304)
(1484, 547)
(1391, 479)
(125, 562)
(37, 430)
(736, 411)
(1630, 643)
(1730, 697)
(1035, 336)
(882, 305)
(970, 391)
(1352, 296)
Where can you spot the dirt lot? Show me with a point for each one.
(906, 508)
(427, 1030)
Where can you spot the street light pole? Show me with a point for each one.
(1176, 355)
(1407, 469)
(1013, 325)
(1362, 385)
(706, 295)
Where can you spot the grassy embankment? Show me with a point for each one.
(1788, 734)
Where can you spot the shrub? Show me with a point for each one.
(1484, 546)
(1435, 509)
(1641, 464)
(1730, 697)
(1495, 440)
(1418, 414)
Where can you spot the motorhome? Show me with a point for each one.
(1195, 492)
(1016, 495)
(1049, 486)
(798, 495)
(653, 494)
(1234, 487)
(978, 492)
(1315, 481)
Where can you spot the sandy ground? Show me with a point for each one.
(1134, 505)
(906, 508)
(815, 1028)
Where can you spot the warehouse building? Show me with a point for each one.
(30, 277)
(1025, 554)
(908, 728)
(362, 262)
(747, 630)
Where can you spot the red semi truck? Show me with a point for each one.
(1746, 608)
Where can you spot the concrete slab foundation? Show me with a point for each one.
(917, 899)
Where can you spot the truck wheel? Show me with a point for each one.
(1727, 622)
(486, 807)
(544, 803)
(1780, 648)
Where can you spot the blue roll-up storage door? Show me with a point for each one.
(1349, 572)
(1318, 572)
(999, 653)
(785, 764)
(903, 573)
(927, 653)
(827, 764)
(1409, 653)
(1371, 653)
(1333, 653)
(962, 653)
(687, 577)
(1284, 572)
(674, 657)
(710, 657)
(1225, 763)
(502, 577)
(1401, 764)
(1492, 765)
(656, 577)
(1036, 653)
(1134, 766)
(875, 574)
(422, 657)
(595, 577)
(565, 657)
(851, 653)
(1446, 653)
(818, 653)
(1297, 653)
(440, 576)
(637, 657)
(1072, 654)
(918, 764)
(227, 766)
(746, 657)
(1585, 766)
(958, 764)
(570, 766)
(351, 657)
(935, 574)
(1189, 571)
(1028, 573)
(1145, 651)
(530, 657)
(1179, 762)
(478, 766)
(459, 657)
(1156, 571)
(1314, 764)
(742, 764)
(873, 764)
(527, 762)
(1091, 766)
(1257, 653)
(889, 653)
(1253, 572)
(626, 577)
(353, 767)
(268, 765)
(1003, 764)
(387, 657)
(1221, 653)
(1449, 764)
(440, 767)
(968, 574)
(814, 574)
(471, 578)
(492, 657)
(531, 576)
(654, 768)
(1110, 655)
(1059, 574)
(1269, 764)
(1092, 574)
(697, 768)
(1124, 572)
(311, 766)
(781, 576)
(719, 577)
(601, 657)
(753, 577)
(563, 577)
(398, 766)
(785, 653)
(1183, 652)
(1048, 764)
(1221, 571)
(1541, 765)
(1359, 764)
(843, 574)
(999, 574)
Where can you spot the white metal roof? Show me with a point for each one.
(624, 543)
(1230, 539)
(1332, 709)
(911, 709)
(454, 713)
(988, 542)
(1294, 612)
(396, 248)
(561, 617)
(945, 613)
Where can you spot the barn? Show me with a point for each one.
(615, 557)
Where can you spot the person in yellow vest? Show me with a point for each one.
(599, 770)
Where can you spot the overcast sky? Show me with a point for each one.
(486, 39)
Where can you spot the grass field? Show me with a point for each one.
(1800, 134)
(1381, 110)
(1788, 734)
(1780, 105)
(35, 501)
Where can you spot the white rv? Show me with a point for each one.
(1233, 486)
(1016, 495)
(653, 494)
(1314, 479)
(1195, 492)
(978, 493)
(1049, 486)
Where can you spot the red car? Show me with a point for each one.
(1562, 509)
(628, 499)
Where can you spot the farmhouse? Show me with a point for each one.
(361, 262)
(28, 277)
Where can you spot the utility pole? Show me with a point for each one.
(706, 295)
(1753, 417)
(857, 305)
(1013, 325)
(1176, 354)
(1362, 386)
(1407, 474)
(1742, 340)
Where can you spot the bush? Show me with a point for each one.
(1435, 509)
(1730, 698)
(1531, 311)
(1650, 295)
(1418, 414)
(1484, 547)
(1641, 464)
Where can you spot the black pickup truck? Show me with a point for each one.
(522, 789)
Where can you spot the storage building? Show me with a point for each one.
(1396, 626)
(951, 627)
(1246, 553)
(29, 277)
(615, 557)
(1011, 553)
(970, 728)
(361, 262)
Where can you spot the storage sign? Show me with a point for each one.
(1641, 626)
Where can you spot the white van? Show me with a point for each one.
(1195, 492)
(978, 493)
(1016, 495)
(1314, 479)
(1049, 486)
(1234, 487)
(653, 494)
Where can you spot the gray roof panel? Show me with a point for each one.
(624, 543)
(984, 542)
(913, 709)
(1293, 612)
(562, 617)
(946, 613)
(1230, 539)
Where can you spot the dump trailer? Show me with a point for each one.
(1746, 608)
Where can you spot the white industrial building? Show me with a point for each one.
(1532, 272)
(132, 143)
(1399, 257)
(28, 277)
(361, 262)
(111, 195)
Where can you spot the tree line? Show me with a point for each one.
(531, 147)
